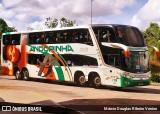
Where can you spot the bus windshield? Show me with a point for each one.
(130, 36)
(136, 62)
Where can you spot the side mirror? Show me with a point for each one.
(127, 53)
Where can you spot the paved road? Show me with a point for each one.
(49, 93)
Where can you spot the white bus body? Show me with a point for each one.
(97, 54)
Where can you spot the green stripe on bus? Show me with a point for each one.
(59, 72)
(127, 82)
(66, 64)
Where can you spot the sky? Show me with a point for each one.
(33, 13)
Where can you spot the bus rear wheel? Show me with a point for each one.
(18, 75)
(81, 80)
(96, 82)
(25, 74)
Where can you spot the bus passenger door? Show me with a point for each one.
(113, 73)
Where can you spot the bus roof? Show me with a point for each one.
(48, 29)
(110, 25)
(65, 28)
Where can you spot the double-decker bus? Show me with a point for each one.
(106, 54)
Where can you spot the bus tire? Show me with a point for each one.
(96, 81)
(25, 74)
(80, 79)
(18, 75)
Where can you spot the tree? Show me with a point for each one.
(30, 28)
(53, 23)
(66, 23)
(152, 36)
(5, 28)
(10, 29)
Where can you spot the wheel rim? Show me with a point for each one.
(97, 81)
(17, 74)
(82, 80)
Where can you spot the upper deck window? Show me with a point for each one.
(11, 39)
(61, 36)
(130, 36)
(105, 34)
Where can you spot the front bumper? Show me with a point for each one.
(127, 82)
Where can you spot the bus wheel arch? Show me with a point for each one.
(17, 73)
(94, 79)
(79, 78)
(25, 74)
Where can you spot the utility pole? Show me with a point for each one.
(91, 11)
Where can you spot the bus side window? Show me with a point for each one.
(35, 58)
(69, 36)
(92, 61)
(89, 39)
(113, 60)
(65, 36)
(6, 40)
(31, 37)
(40, 38)
(60, 37)
(82, 36)
(45, 38)
(13, 42)
(105, 34)
(76, 39)
(52, 37)
(12, 39)
(36, 38)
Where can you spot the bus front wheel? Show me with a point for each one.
(25, 75)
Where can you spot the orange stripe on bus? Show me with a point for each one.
(53, 77)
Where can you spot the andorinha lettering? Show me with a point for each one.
(61, 48)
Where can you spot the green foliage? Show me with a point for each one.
(5, 28)
(66, 22)
(53, 23)
(3, 24)
(154, 66)
(152, 36)
(155, 78)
